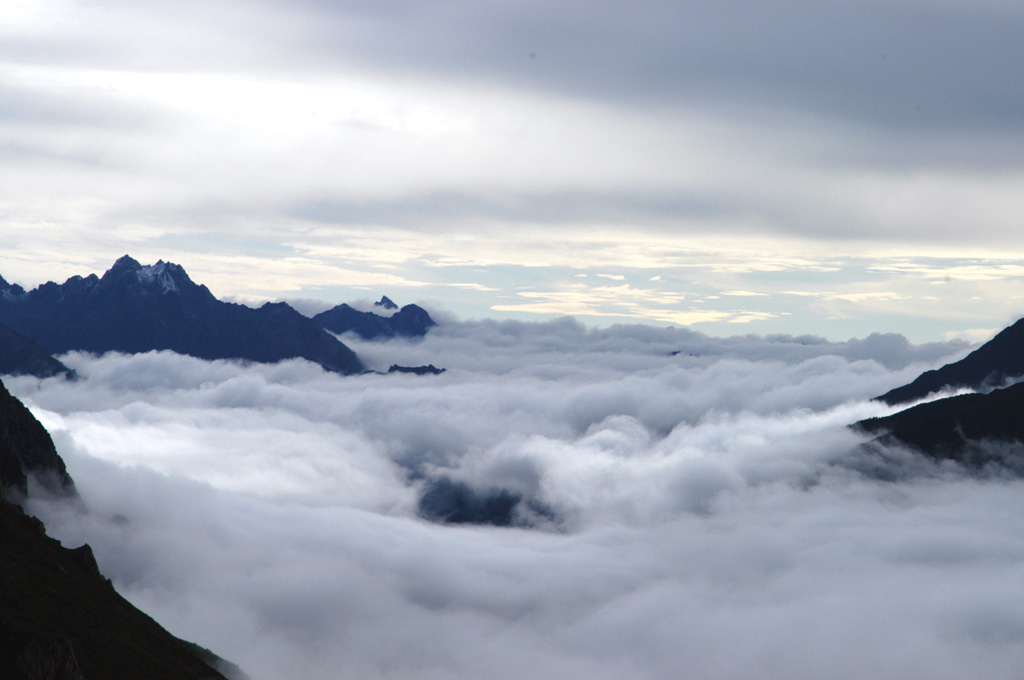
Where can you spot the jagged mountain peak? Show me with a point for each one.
(163, 277)
(385, 303)
(125, 262)
(409, 321)
(168, 276)
(138, 308)
(10, 290)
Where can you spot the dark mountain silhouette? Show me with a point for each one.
(27, 449)
(23, 356)
(974, 429)
(410, 321)
(59, 618)
(429, 369)
(992, 365)
(133, 309)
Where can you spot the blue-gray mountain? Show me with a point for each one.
(411, 321)
(134, 308)
(24, 356)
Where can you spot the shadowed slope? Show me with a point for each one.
(23, 356)
(993, 364)
(969, 428)
(59, 618)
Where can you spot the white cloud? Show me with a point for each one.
(698, 526)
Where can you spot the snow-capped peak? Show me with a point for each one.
(161, 274)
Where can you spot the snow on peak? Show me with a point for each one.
(159, 274)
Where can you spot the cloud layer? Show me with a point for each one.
(699, 527)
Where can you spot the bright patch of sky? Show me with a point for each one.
(786, 167)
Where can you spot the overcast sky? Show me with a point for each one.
(832, 167)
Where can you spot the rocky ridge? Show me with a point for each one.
(411, 321)
(134, 308)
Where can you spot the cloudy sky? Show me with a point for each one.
(831, 167)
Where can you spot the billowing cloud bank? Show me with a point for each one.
(694, 525)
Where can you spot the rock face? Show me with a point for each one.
(23, 356)
(974, 429)
(993, 364)
(410, 321)
(135, 308)
(26, 449)
(59, 618)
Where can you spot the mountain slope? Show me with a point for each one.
(969, 428)
(410, 321)
(26, 449)
(991, 365)
(135, 308)
(23, 356)
(56, 610)
(59, 618)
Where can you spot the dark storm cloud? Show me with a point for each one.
(905, 65)
(892, 64)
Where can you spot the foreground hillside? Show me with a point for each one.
(60, 619)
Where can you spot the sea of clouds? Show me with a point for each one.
(686, 511)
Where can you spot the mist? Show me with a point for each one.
(684, 509)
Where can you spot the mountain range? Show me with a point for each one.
(134, 308)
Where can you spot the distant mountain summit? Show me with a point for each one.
(410, 321)
(385, 303)
(134, 308)
(992, 365)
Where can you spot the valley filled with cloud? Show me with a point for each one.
(683, 506)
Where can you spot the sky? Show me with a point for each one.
(830, 167)
(705, 514)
